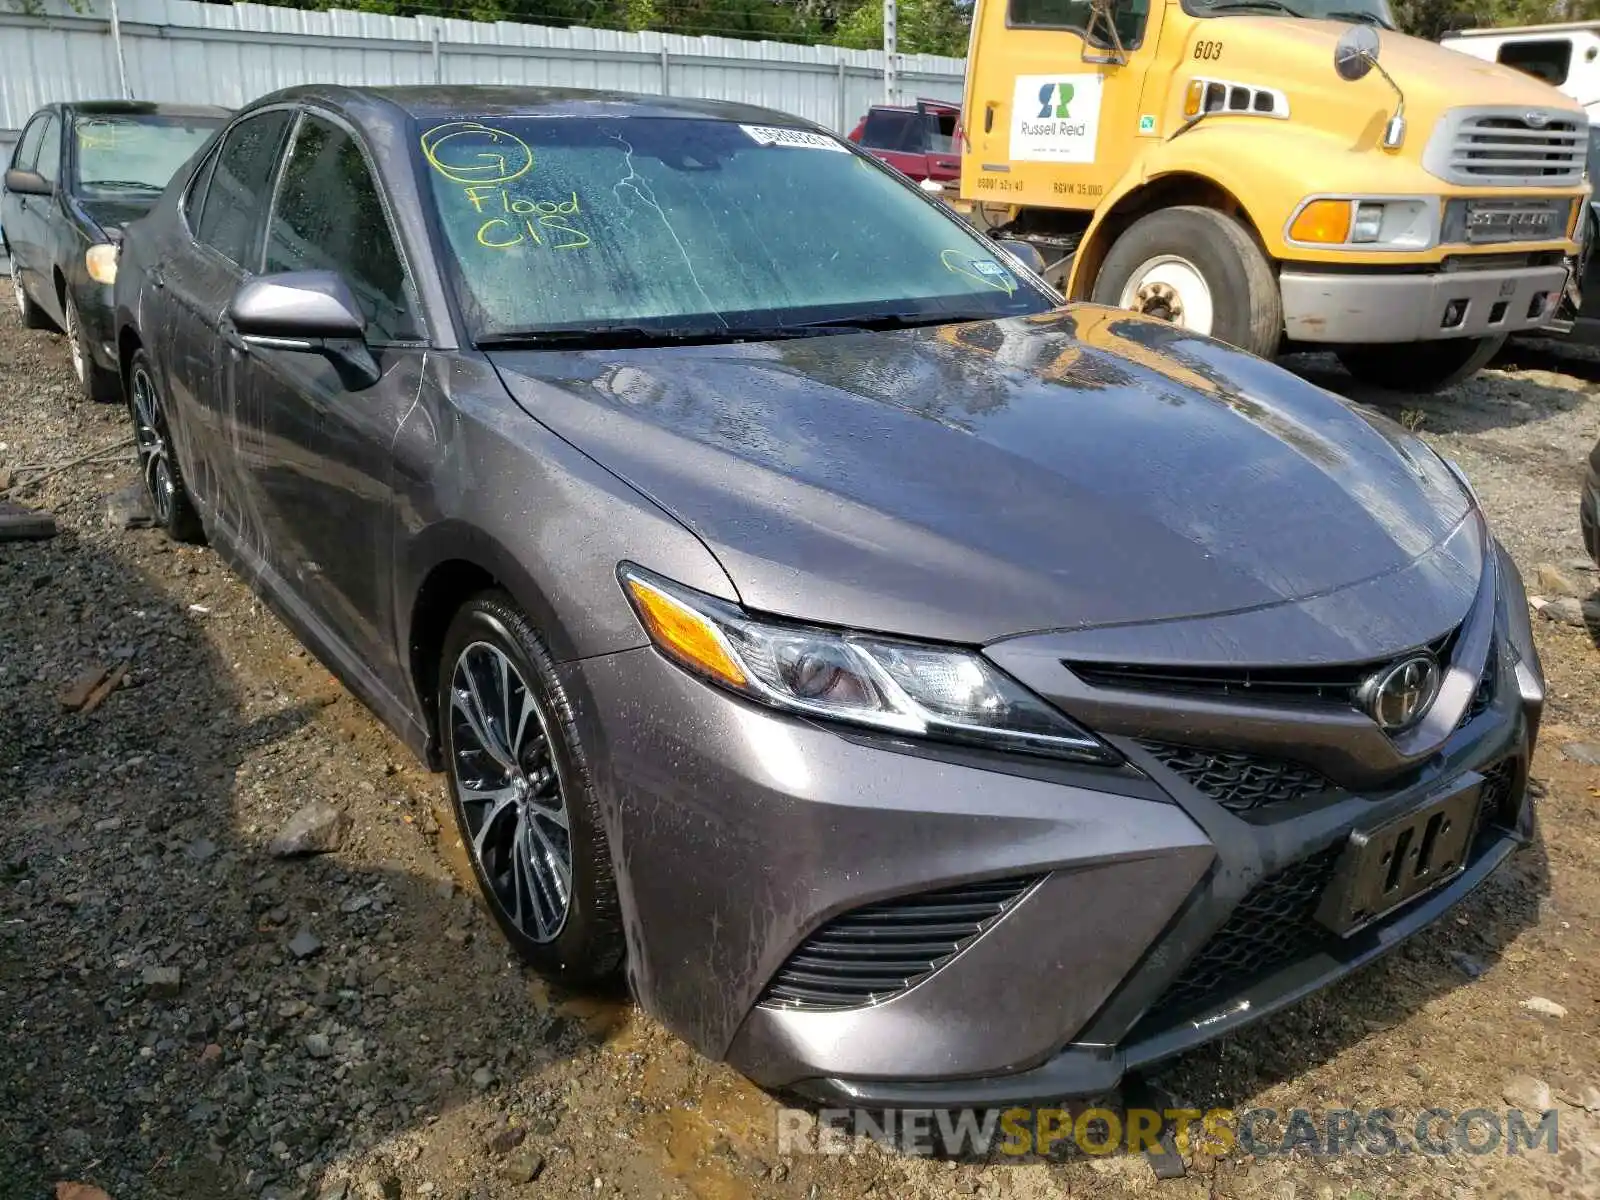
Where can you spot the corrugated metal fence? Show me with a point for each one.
(180, 51)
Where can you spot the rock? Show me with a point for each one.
(317, 1045)
(381, 1187)
(482, 1078)
(1586, 1098)
(79, 1191)
(1578, 564)
(1583, 752)
(76, 694)
(128, 508)
(335, 1191)
(318, 828)
(201, 850)
(1548, 1008)
(1570, 611)
(1471, 967)
(305, 944)
(162, 983)
(507, 1140)
(1558, 581)
(211, 1054)
(524, 1168)
(1527, 1093)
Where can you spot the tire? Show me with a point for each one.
(31, 314)
(1589, 521)
(95, 382)
(1419, 366)
(1178, 263)
(158, 465)
(509, 816)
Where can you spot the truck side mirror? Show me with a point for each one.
(1356, 53)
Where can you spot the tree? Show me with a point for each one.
(922, 27)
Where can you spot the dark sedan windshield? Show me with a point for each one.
(698, 226)
(121, 154)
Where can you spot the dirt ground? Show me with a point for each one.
(183, 1015)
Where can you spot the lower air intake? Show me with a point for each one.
(870, 954)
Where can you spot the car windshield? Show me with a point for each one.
(124, 154)
(1369, 12)
(697, 227)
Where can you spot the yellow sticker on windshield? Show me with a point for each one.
(472, 152)
(984, 270)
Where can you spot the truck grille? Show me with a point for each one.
(1507, 149)
(870, 954)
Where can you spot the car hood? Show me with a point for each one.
(115, 214)
(973, 481)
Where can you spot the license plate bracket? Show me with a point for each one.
(1383, 868)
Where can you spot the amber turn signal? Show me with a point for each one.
(1325, 222)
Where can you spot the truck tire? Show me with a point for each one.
(1199, 269)
(1419, 366)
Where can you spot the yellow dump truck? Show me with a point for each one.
(1277, 174)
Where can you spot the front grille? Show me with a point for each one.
(1273, 925)
(1337, 683)
(1498, 807)
(1505, 149)
(1483, 697)
(870, 954)
(1241, 783)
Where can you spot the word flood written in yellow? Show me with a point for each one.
(525, 219)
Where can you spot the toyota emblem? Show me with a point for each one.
(1398, 696)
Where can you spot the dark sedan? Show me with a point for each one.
(929, 694)
(79, 173)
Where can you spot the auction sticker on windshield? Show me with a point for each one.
(1055, 118)
(802, 139)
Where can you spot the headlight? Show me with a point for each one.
(101, 262)
(910, 688)
(1344, 222)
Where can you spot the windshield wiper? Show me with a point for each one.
(141, 184)
(1245, 5)
(616, 337)
(1356, 14)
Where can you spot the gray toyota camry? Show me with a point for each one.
(926, 693)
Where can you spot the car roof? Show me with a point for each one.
(443, 101)
(140, 108)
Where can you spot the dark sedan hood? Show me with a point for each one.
(973, 481)
(114, 214)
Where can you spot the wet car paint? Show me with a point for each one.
(1111, 488)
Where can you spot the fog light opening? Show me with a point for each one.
(1537, 305)
(1497, 312)
(1454, 314)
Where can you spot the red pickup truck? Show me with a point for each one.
(918, 139)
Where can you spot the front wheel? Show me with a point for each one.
(1419, 366)
(158, 465)
(1199, 269)
(521, 791)
(95, 382)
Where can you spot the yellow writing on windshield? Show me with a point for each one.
(474, 153)
(521, 221)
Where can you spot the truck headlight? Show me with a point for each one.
(1357, 223)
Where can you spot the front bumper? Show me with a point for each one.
(741, 836)
(1358, 308)
(96, 309)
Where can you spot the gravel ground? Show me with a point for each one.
(184, 1015)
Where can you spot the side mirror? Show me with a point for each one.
(312, 312)
(1356, 53)
(27, 183)
(1024, 252)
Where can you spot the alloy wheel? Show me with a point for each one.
(510, 791)
(149, 435)
(1172, 289)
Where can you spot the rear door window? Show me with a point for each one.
(328, 217)
(235, 204)
(895, 129)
